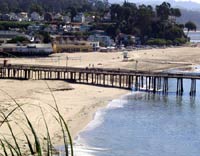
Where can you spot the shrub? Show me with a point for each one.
(18, 39)
(180, 41)
(158, 41)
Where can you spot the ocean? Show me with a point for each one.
(145, 124)
(194, 36)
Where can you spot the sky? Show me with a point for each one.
(198, 1)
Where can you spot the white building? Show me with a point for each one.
(95, 45)
(103, 40)
(80, 18)
(26, 50)
(23, 16)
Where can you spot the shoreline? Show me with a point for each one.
(96, 105)
(78, 103)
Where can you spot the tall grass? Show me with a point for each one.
(12, 146)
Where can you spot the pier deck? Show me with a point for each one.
(108, 77)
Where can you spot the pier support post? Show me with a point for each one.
(193, 87)
(179, 86)
(154, 84)
(165, 85)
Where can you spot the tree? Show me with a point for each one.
(73, 12)
(4, 8)
(145, 15)
(46, 37)
(115, 11)
(36, 8)
(174, 32)
(190, 26)
(175, 12)
(163, 11)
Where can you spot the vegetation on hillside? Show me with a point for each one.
(42, 5)
(148, 24)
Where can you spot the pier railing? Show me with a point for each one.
(107, 77)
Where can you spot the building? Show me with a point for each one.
(48, 17)
(35, 28)
(23, 16)
(124, 39)
(13, 17)
(107, 17)
(66, 19)
(36, 16)
(85, 28)
(75, 46)
(79, 18)
(5, 17)
(26, 50)
(58, 17)
(8, 35)
(104, 40)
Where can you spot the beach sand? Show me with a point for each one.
(76, 102)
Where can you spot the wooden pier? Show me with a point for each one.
(119, 78)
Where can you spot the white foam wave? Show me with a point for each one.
(82, 148)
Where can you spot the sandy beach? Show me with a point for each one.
(76, 102)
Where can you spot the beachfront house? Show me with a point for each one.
(73, 46)
(104, 40)
(70, 43)
(26, 50)
(125, 39)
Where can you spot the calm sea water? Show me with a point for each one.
(143, 124)
(194, 36)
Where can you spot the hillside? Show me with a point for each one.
(42, 5)
(188, 5)
(188, 15)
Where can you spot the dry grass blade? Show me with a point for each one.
(11, 147)
(37, 142)
(49, 144)
(65, 125)
(4, 148)
(13, 136)
(29, 144)
(9, 114)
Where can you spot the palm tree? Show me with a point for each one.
(190, 26)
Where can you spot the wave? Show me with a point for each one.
(81, 146)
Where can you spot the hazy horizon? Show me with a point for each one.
(197, 1)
